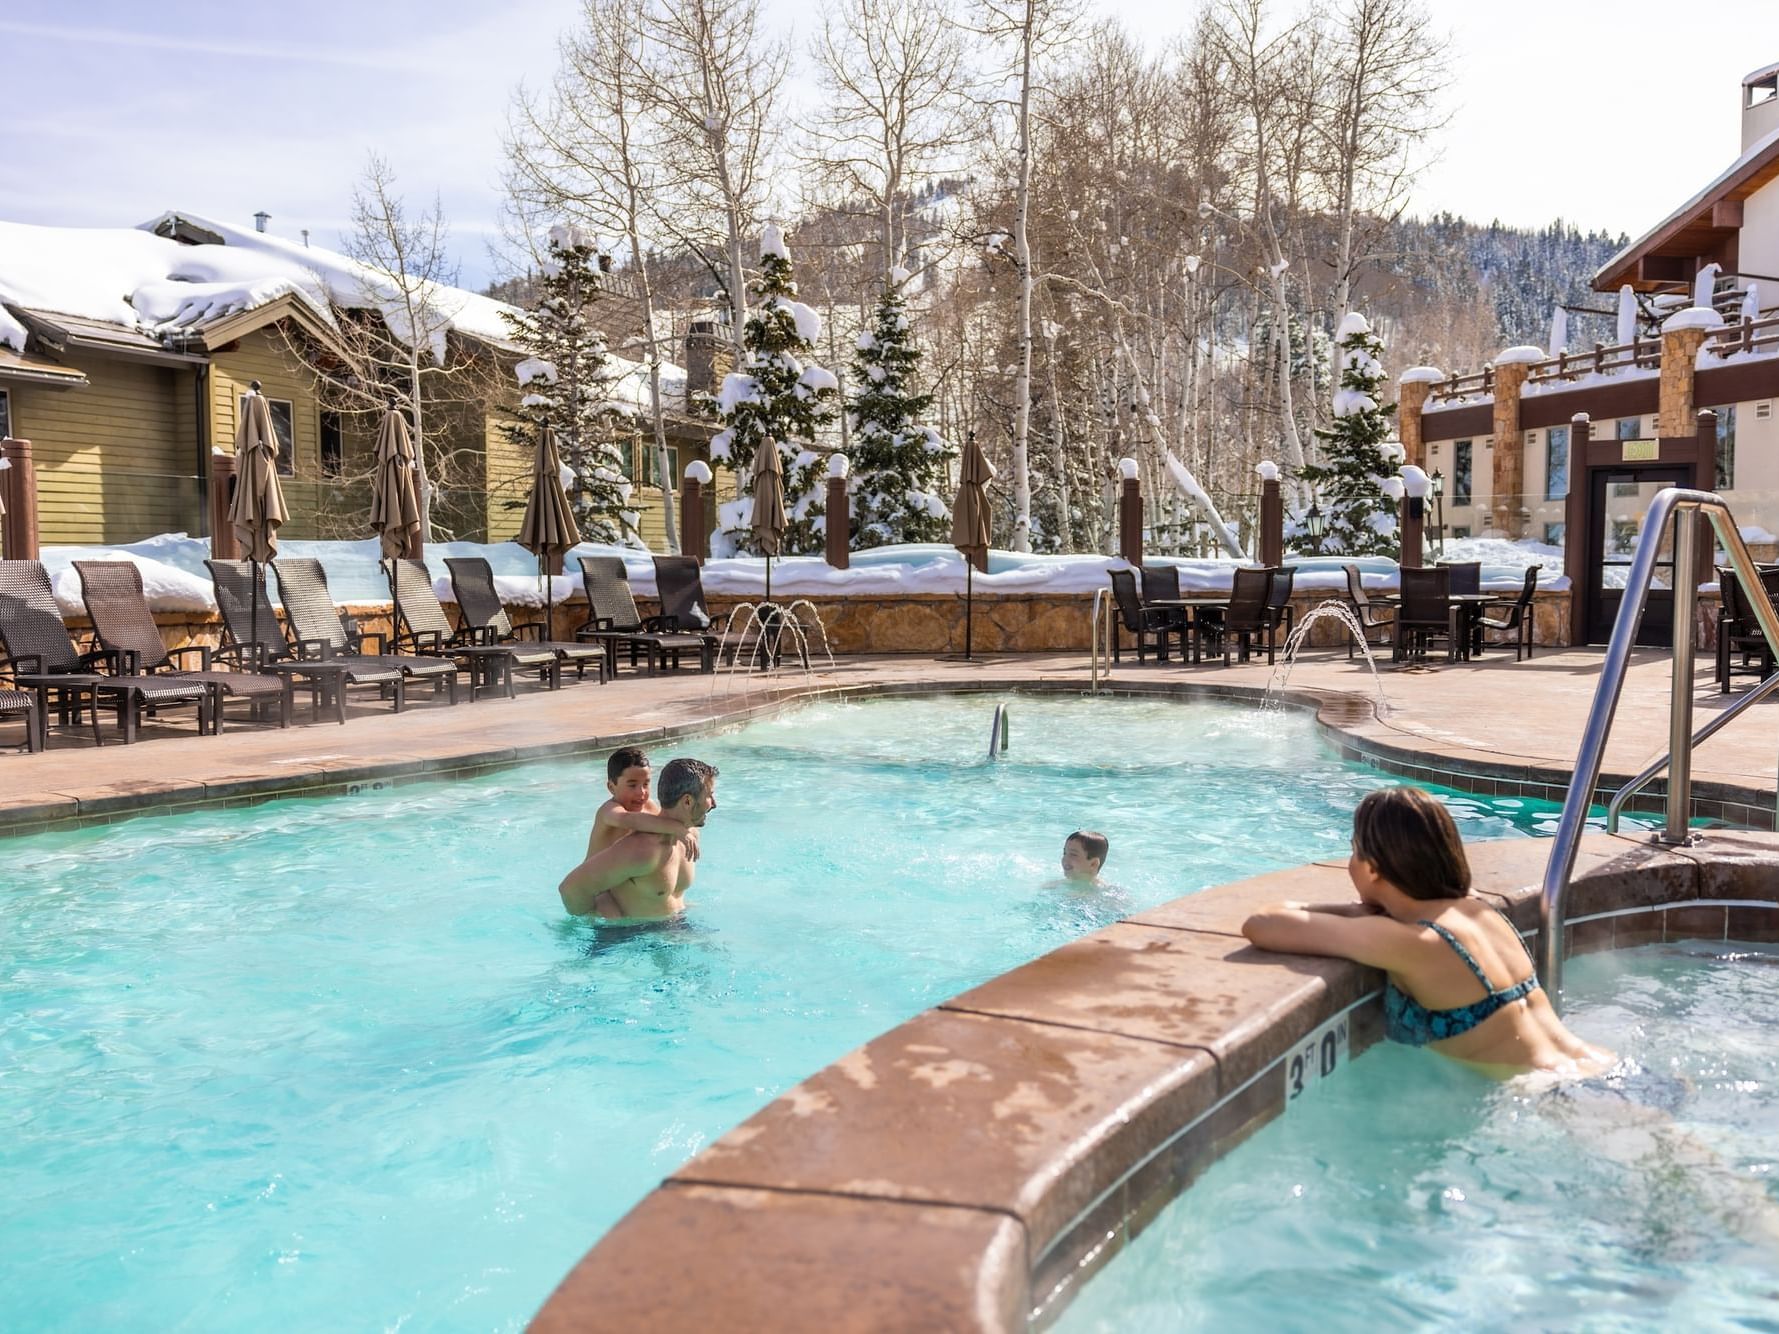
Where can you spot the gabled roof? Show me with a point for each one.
(1692, 229)
(29, 369)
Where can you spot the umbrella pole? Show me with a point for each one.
(253, 615)
(765, 612)
(969, 602)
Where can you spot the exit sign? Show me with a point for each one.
(1640, 451)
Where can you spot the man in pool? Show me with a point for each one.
(644, 876)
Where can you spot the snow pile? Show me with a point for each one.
(1267, 470)
(1521, 354)
(1351, 323)
(12, 333)
(570, 236)
(1627, 315)
(1693, 317)
(535, 368)
(1350, 402)
(816, 379)
(772, 242)
(1421, 375)
(807, 320)
(166, 562)
(736, 390)
(898, 275)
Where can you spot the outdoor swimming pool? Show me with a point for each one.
(1408, 1192)
(277, 1066)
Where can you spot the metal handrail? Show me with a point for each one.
(1615, 807)
(1102, 611)
(997, 731)
(1684, 506)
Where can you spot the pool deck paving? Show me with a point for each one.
(1492, 726)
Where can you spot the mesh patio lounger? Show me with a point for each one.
(238, 592)
(613, 620)
(302, 583)
(42, 658)
(23, 701)
(684, 608)
(423, 627)
(472, 578)
(124, 624)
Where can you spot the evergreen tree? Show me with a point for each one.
(777, 393)
(565, 385)
(1347, 483)
(898, 464)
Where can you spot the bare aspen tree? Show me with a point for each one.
(897, 108)
(1028, 30)
(1381, 101)
(589, 153)
(713, 80)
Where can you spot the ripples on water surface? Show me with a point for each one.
(346, 1061)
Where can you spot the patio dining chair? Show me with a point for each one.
(1466, 575)
(422, 627)
(1247, 619)
(1278, 598)
(1161, 583)
(1369, 614)
(253, 638)
(1517, 618)
(124, 625)
(613, 621)
(321, 631)
(1149, 626)
(1425, 614)
(40, 656)
(1742, 647)
(482, 611)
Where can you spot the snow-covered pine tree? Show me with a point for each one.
(776, 392)
(898, 463)
(565, 383)
(1347, 483)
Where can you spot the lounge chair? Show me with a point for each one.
(41, 657)
(1517, 617)
(1149, 625)
(1364, 610)
(613, 620)
(482, 611)
(302, 584)
(422, 627)
(23, 701)
(253, 639)
(124, 625)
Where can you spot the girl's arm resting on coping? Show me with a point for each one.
(1364, 936)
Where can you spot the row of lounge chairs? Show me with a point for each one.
(264, 662)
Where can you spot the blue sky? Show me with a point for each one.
(117, 111)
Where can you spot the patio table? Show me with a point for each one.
(1470, 608)
(1194, 609)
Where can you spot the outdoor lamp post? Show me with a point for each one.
(1439, 511)
(1316, 524)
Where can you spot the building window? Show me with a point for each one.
(672, 465)
(1726, 447)
(333, 445)
(282, 426)
(1461, 473)
(5, 415)
(1556, 463)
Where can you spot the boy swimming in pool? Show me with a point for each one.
(1083, 854)
(630, 810)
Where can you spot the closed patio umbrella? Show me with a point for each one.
(767, 484)
(257, 509)
(549, 528)
(395, 505)
(969, 523)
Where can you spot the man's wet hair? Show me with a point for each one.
(682, 778)
(627, 758)
(1094, 844)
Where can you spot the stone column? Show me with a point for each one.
(694, 530)
(1681, 340)
(18, 485)
(1130, 513)
(1509, 477)
(837, 545)
(1412, 390)
(223, 545)
(1272, 523)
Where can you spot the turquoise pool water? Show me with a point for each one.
(346, 1062)
(1407, 1192)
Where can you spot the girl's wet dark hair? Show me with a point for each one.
(1409, 836)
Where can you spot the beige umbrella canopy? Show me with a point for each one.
(549, 528)
(257, 509)
(767, 485)
(969, 513)
(395, 502)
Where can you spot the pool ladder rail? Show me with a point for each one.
(997, 733)
(1103, 611)
(1684, 507)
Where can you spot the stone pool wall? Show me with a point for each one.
(971, 1168)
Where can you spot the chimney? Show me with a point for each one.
(701, 352)
(1760, 105)
(260, 220)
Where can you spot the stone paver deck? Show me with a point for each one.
(1493, 725)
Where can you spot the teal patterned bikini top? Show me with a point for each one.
(1407, 1020)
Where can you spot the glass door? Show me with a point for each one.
(1619, 505)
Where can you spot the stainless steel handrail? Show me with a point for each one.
(1615, 808)
(997, 731)
(1683, 507)
(1102, 611)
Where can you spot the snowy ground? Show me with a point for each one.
(175, 578)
